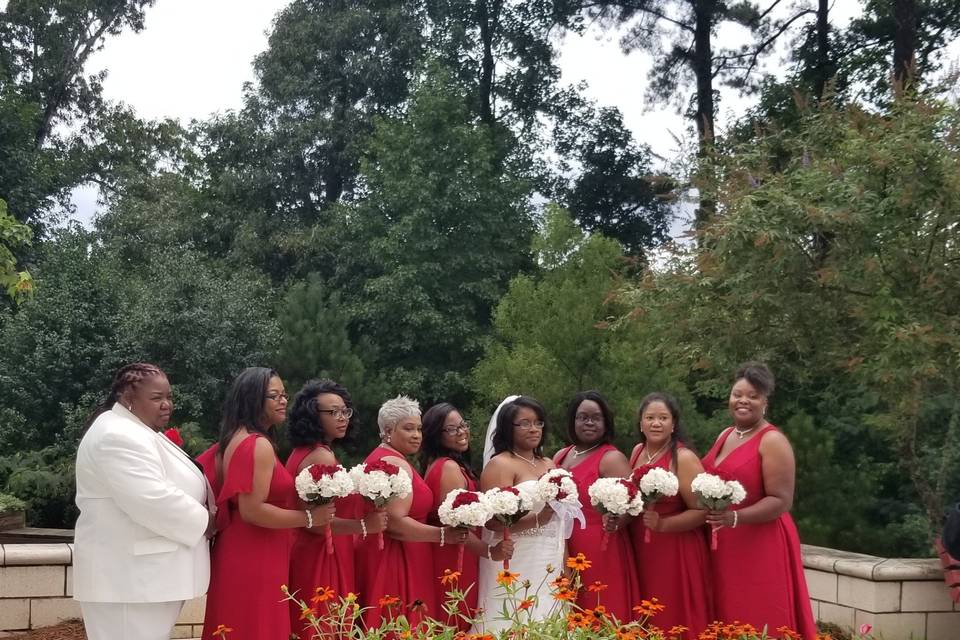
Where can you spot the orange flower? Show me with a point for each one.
(308, 612)
(222, 631)
(579, 562)
(575, 620)
(322, 594)
(568, 595)
(388, 601)
(788, 633)
(449, 577)
(506, 578)
(596, 587)
(560, 583)
(625, 633)
(824, 636)
(599, 611)
(649, 608)
(677, 630)
(525, 604)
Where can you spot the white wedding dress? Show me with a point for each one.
(534, 551)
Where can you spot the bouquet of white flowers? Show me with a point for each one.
(655, 483)
(716, 494)
(380, 482)
(319, 484)
(614, 496)
(507, 506)
(558, 485)
(462, 508)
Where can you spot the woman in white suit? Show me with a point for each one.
(140, 541)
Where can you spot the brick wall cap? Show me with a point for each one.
(35, 554)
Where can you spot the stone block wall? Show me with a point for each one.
(902, 599)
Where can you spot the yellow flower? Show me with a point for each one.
(506, 578)
(579, 562)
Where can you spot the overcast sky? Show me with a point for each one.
(194, 56)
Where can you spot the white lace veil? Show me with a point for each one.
(491, 428)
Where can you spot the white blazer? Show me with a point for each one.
(143, 515)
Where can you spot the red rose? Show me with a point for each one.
(380, 465)
(465, 498)
(631, 488)
(638, 473)
(318, 471)
(173, 435)
(512, 490)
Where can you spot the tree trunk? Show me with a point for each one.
(825, 68)
(904, 44)
(487, 17)
(703, 70)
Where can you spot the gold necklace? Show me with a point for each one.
(651, 458)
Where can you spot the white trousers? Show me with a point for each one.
(130, 620)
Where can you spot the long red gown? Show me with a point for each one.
(757, 568)
(401, 569)
(446, 557)
(674, 567)
(614, 567)
(248, 564)
(310, 564)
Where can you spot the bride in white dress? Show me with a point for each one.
(513, 456)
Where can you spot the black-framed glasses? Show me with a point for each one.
(526, 425)
(589, 418)
(336, 414)
(276, 397)
(454, 429)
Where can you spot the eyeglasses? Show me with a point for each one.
(453, 429)
(526, 425)
(588, 418)
(336, 414)
(276, 397)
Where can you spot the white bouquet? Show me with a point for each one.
(615, 496)
(655, 483)
(379, 482)
(716, 494)
(462, 508)
(557, 485)
(507, 506)
(320, 484)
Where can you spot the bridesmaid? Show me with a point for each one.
(256, 504)
(675, 565)
(591, 429)
(404, 568)
(757, 567)
(321, 414)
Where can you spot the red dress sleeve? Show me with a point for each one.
(208, 462)
(238, 478)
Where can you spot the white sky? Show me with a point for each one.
(194, 56)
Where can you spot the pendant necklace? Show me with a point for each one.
(742, 432)
(532, 463)
(651, 458)
(577, 454)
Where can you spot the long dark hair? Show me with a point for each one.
(678, 437)
(126, 377)
(305, 428)
(432, 445)
(245, 404)
(608, 428)
(503, 436)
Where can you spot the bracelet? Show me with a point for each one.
(441, 535)
(363, 528)
(309, 518)
(734, 520)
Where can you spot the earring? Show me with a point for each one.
(387, 440)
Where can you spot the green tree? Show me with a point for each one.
(422, 260)
(13, 235)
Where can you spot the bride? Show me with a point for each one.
(513, 456)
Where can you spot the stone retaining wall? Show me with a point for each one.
(901, 599)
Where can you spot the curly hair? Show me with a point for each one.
(305, 427)
(126, 377)
(503, 436)
(432, 447)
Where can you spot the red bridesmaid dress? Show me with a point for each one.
(248, 564)
(310, 564)
(674, 567)
(402, 569)
(615, 567)
(757, 568)
(446, 557)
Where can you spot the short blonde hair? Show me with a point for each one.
(395, 410)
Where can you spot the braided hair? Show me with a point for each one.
(126, 378)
